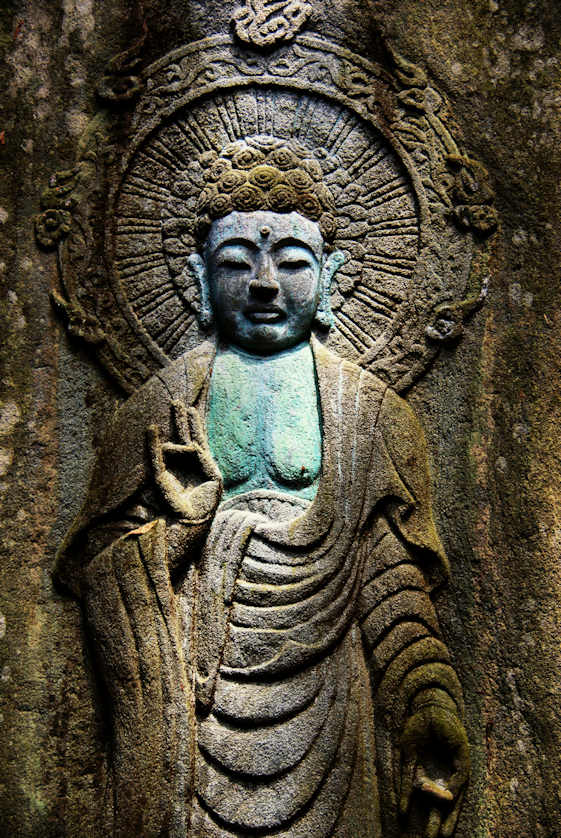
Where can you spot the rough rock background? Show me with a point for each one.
(490, 407)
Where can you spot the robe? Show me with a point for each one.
(258, 685)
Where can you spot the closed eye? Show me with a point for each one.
(235, 264)
(294, 264)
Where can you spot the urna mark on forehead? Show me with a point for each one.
(264, 229)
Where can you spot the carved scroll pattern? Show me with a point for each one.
(412, 200)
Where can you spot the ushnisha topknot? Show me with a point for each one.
(264, 173)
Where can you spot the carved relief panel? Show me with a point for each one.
(281, 245)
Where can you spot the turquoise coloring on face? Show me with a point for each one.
(264, 423)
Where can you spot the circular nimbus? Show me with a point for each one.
(377, 215)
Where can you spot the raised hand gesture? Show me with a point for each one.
(184, 471)
(435, 767)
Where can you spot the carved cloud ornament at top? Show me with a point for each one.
(266, 23)
(412, 209)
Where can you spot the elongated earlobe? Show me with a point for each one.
(196, 268)
(324, 315)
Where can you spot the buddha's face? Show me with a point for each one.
(265, 274)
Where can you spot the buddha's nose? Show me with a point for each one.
(264, 285)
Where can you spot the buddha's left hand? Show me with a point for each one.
(435, 765)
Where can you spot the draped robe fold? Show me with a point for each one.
(244, 690)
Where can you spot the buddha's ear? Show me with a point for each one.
(330, 266)
(196, 270)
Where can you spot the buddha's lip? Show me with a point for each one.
(264, 313)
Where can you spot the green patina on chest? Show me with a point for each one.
(264, 423)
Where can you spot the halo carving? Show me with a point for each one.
(385, 146)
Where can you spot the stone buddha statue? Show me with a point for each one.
(257, 550)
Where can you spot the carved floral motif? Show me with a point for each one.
(121, 82)
(472, 196)
(447, 325)
(51, 226)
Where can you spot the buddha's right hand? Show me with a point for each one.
(197, 501)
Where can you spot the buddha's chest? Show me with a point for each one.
(264, 422)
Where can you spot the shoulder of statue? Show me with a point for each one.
(342, 379)
(328, 361)
(182, 379)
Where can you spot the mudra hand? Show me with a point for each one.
(192, 503)
(435, 754)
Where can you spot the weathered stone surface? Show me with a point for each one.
(489, 406)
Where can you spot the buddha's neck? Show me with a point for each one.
(292, 354)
